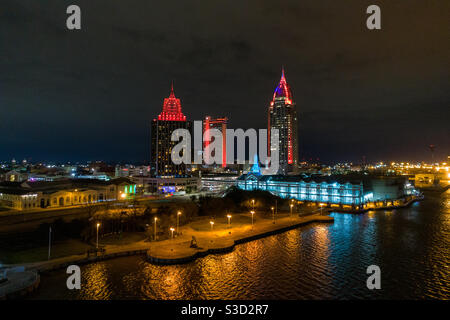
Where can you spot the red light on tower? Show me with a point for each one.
(283, 90)
(172, 109)
(220, 124)
(282, 116)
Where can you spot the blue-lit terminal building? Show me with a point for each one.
(315, 189)
(358, 192)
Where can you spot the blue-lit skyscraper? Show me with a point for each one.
(283, 116)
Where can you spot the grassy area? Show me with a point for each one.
(24, 250)
(237, 220)
(125, 238)
(18, 254)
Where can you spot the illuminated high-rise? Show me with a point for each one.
(283, 116)
(221, 125)
(170, 119)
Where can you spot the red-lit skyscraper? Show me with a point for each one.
(283, 116)
(220, 124)
(170, 119)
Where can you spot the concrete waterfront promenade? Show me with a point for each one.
(223, 238)
(220, 239)
(139, 248)
(18, 284)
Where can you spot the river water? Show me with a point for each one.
(320, 261)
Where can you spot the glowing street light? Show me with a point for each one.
(155, 226)
(98, 226)
(178, 219)
(252, 212)
(321, 206)
(253, 204)
(291, 209)
(229, 218)
(273, 214)
(172, 230)
(212, 224)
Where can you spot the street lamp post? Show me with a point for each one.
(49, 241)
(155, 226)
(253, 204)
(172, 230)
(212, 224)
(291, 210)
(178, 220)
(229, 219)
(273, 214)
(252, 212)
(98, 225)
(321, 206)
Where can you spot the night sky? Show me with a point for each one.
(91, 94)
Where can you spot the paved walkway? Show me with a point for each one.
(223, 237)
(110, 251)
(220, 237)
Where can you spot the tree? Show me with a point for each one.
(91, 209)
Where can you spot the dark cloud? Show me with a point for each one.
(91, 94)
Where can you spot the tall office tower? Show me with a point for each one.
(170, 119)
(283, 116)
(220, 124)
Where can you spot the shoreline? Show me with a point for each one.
(177, 251)
(144, 248)
(361, 211)
(19, 284)
(180, 255)
(219, 245)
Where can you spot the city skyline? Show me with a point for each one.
(426, 153)
(356, 90)
(225, 158)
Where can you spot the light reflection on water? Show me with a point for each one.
(319, 261)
